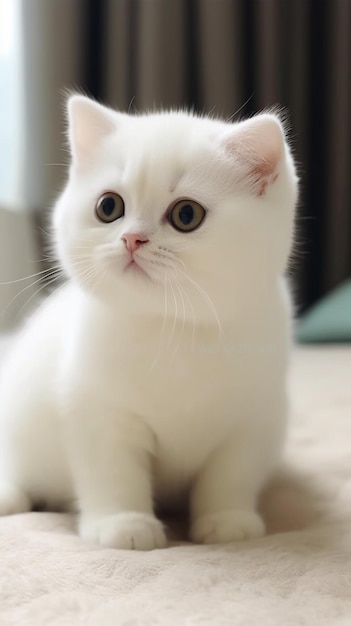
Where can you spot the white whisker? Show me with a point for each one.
(206, 298)
(184, 313)
(165, 313)
(19, 280)
(193, 314)
(169, 343)
(49, 275)
(98, 279)
(41, 288)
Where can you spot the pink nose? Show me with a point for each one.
(132, 241)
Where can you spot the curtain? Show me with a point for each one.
(230, 57)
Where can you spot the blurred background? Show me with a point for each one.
(228, 57)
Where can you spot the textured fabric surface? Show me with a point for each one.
(329, 319)
(299, 574)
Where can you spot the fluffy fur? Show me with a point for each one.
(161, 381)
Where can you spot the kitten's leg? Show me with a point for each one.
(112, 477)
(224, 495)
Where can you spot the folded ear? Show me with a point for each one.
(88, 124)
(256, 146)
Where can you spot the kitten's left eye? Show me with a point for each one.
(186, 215)
(109, 207)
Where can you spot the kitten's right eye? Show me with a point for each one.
(109, 207)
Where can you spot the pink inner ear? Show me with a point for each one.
(257, 146)
(89, 124)
(265, 174)
(264, 168)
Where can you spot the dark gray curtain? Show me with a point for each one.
(227, 56)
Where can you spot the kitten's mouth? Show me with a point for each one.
(133, 266)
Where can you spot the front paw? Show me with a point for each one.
(126, 531)
(227, 526)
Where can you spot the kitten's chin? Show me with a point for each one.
(133, 268)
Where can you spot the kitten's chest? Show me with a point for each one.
(185, 395)
(190, 388)
(181, 380)
(181, 385)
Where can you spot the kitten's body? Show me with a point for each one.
(125, 385)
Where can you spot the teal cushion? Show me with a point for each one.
(329, 319)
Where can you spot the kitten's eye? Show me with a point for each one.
(109, 207)
(186, 215)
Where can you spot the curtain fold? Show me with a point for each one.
(338, 139)
(222, 56)
(220, 59)
(54, 44)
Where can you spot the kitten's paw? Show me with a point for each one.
(227, 526)
(13, 500)
(127, 531)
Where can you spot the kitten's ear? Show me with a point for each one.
(88, 124)
(257, 146)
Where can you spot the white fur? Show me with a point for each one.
(123, 388)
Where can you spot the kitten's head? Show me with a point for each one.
(171, 198)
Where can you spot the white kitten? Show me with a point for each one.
(158, 372)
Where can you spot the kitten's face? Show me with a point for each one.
(172, 199)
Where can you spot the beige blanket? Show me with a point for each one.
(300, 574)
